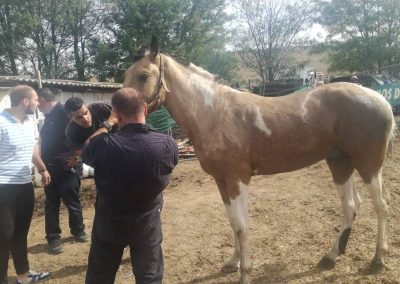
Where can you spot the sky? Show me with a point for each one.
(317, 32)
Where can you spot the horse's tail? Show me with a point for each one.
(392, 139)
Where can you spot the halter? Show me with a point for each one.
(159, 97)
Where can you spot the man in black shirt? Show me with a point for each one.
(85, 120)
(65, 183)
(132, 168)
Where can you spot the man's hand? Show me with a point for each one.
(72, 162)
(46, 179)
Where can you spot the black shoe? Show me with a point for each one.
(81, 237)
(55, 247)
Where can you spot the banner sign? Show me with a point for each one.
(391, 92)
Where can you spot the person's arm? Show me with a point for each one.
(112, 120)
(37, 161)
(89, 149)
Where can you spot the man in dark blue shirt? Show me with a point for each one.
(65, 183)
(132, 168)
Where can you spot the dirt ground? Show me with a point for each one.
(293, 220)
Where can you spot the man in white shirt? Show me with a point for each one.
(17, 152)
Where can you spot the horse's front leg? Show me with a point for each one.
(235, 197)
(233, 264)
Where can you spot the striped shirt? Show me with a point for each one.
(16, 147)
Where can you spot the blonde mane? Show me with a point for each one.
(202, 72)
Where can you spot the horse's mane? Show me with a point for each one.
(143, 51)
(196, 69)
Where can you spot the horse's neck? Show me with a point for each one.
(192, 96)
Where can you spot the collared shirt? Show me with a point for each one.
(16, 147)
(54, 147)
(77, 135)
(132, 167)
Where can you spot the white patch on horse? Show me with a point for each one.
(260, 123)
(238, 209)
(204, 88)
(303, 106)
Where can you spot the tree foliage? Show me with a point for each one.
(79, 39)
(14, 27)
(267, 30)
(191, 29)
(363, 34)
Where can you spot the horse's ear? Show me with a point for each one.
(154, 50)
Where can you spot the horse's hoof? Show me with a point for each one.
(230, 267)
(377, 266)
(326, 263)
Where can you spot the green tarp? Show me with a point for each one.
(161, 120)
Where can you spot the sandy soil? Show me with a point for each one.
(293, 220)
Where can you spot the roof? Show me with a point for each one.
(11, 81)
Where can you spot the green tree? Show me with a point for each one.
(55, 40)
(191, 29)
(363, 34)
(14, 25)
(47, 44)
(84, 22)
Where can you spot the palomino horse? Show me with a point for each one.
(237, 135)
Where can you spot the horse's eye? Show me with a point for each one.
(144, 77)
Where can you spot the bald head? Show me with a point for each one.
(128, 102)
(19, 93)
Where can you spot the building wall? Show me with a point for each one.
(4, 98)
(87, 97)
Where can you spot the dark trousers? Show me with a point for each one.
(111, 234)
(65, 186)
(16, 209)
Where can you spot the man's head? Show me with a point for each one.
(129, 105)
(24, 98)
(47, 98)
(78, 112)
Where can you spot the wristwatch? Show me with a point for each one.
(106, 125)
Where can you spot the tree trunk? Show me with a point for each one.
(78, 61)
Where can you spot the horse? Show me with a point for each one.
(237, 135)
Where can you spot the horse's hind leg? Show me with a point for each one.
(380, 198)
(342, 172)
(237, 210)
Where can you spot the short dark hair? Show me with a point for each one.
(73, 104)
(19, 93)
(48, 94)
(128, 101)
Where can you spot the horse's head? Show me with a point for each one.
(146, 75)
